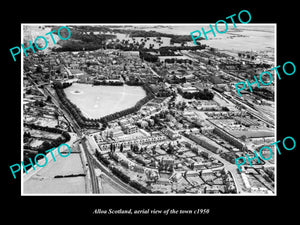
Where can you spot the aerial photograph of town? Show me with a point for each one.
(145, 111)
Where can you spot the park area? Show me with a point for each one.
(98, 101)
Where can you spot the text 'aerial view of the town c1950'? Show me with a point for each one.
(145, 111)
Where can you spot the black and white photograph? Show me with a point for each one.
(145, 110)
(132, 112)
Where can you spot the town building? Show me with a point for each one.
(171, 134)
(205, 142)
(105, 146)
(228, 137)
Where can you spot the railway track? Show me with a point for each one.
(94, 179)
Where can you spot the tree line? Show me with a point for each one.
(138, 105)
(94, 123)
(73, 109)
(81, 41)
(107, 82)
(146, 55)
(125, 178)
(180, 61)
(46, 128)
(46, 145)
(165, 49)
(102, 159)
(202, 95)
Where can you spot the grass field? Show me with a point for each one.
(98, 101)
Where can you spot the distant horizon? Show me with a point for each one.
(245, 37)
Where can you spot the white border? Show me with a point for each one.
(150, 24)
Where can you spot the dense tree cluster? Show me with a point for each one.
(107, 82)
(124, 177)
(148, 56)
(173, 60)
(138, 186)
(73, 45)
(202, 95)
(134, 81)
(46, 145)
(48, 129)
(144, 33)
(183, 38)
(92, 29)
(58, 84)
(80, 40)
(102, 159)
(165, 49)
(65, 85)
(248, 55)
(125, 46)
(83, 38)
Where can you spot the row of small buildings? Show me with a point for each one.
(105, 146)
